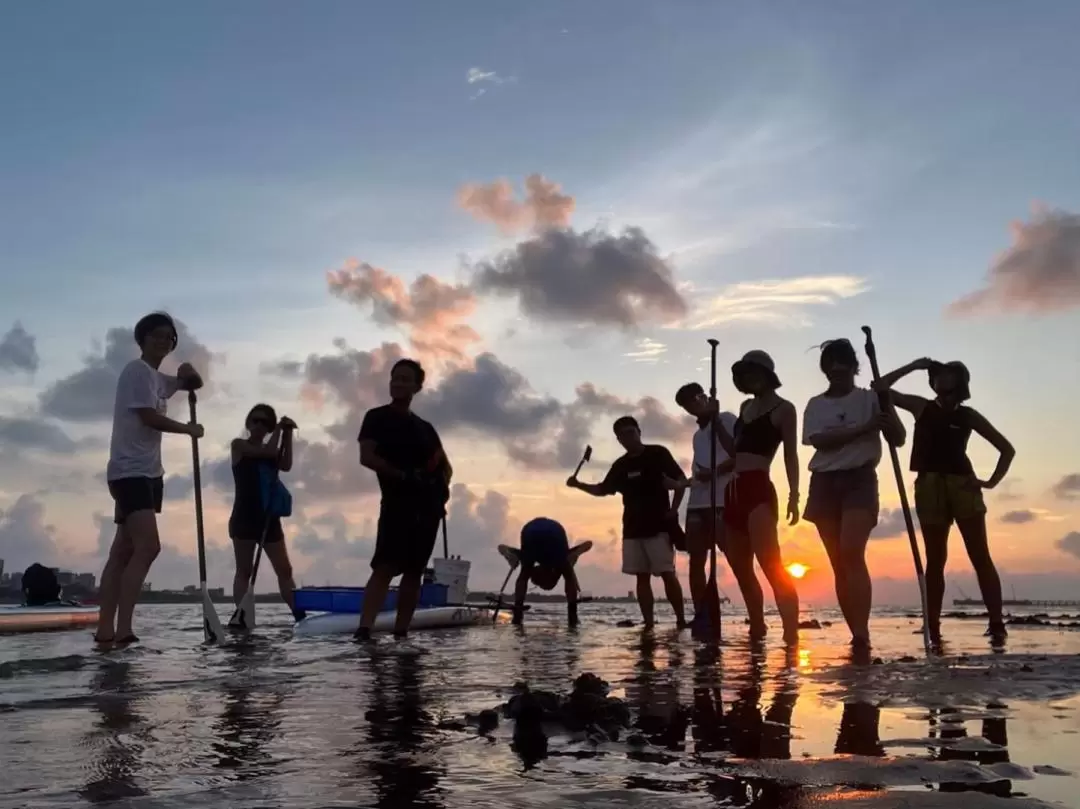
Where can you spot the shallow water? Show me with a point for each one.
(277, 722)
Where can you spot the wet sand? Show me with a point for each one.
(276, 722)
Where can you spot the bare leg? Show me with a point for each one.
(855, 531)
(697, 545)
(766, 545)
(936, 540)
(145, 547)
(244, 553)
(645, 599)
(278, 555)
(830, 539)
(973, 531)
(673, 591)
(119, 556)
(741, 559)
(378, 585)
(407, 598)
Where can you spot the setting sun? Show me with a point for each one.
(797, 570)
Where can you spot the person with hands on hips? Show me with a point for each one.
(946, 487)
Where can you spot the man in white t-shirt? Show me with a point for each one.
(135, 474)
(844, 426)
(691, 398)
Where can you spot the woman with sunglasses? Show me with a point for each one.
(844, 426)
(269, 444)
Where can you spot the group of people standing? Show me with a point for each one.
(731, 452)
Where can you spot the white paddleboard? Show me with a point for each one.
(341, 623)
(18, 618)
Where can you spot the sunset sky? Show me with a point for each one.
(553, 206)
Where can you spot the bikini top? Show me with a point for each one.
(759, 436)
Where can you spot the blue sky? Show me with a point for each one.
(218, 160)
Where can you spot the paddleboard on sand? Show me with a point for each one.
(19, 618)
(339, 623)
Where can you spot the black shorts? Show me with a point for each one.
(135, 494)
(251, 529)
(406, 537)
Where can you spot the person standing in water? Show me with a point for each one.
(546, 557)
(844, 426)
(946, 487)
(751, 509)
(249, 524)
(639, 476)
(414, 477)
(135, 474)
(691, 398)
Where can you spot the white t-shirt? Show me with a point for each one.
(824, 413)
(699, 491)
(135, 449)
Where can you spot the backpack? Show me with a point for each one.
(276, 498)
(40, 586)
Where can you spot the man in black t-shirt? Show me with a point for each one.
(414, 478)
(648, 515)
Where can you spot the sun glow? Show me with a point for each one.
(797, 570)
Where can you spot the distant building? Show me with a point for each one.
(191, 588)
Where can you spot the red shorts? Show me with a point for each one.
(744, 493)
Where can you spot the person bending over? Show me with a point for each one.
(414, 477)
(546, 557)
(844, 426)
(255, 460)
(135, 474)
(946, 487)
(648, 513)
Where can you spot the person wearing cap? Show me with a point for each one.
(134, 473)
(844, 426)
(946, 487)
(751, 508)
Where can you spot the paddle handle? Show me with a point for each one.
(196, 479)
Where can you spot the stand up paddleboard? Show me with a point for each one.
(47, 618)
(442, 604)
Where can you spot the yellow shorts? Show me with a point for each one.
(942, 499)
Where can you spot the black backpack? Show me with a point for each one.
(40, 586)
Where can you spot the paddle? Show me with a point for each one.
(712, 597)
(445, 542)
(513, 556)
(585, 458)
(212, 630)
(871, 354)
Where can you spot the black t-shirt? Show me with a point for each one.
(639, 479)
(410, 444)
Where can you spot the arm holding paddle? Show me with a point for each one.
(1007, 452)
(187, 378)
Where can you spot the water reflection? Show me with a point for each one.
(113, 772)
(860, 731)
(653, 694)
(946, 726)
(403, 770)
(252, 713)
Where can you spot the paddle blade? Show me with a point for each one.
(511, 555)
(212, 629)
(244, 615)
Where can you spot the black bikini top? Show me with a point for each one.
(759, 436)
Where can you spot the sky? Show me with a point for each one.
(553, 206)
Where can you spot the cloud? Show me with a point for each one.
(430, 309)
(1039, 272)
(775, 302)
(1019, 516)
(891, 524)
(647, 350)
(1070, 544)
(479, 76)
(544, 206)
(587, 277)
(35, 434)
(18, 350)
(25, 537)
(1068, 488)
(89, 393)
